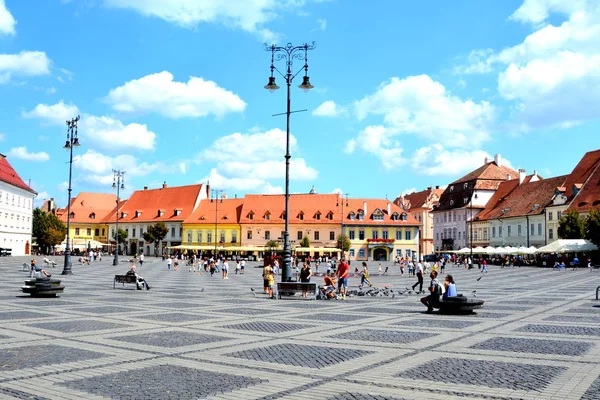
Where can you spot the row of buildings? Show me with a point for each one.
(493, 205)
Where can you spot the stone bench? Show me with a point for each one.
(289, 288)
(42, 287)
(124, 279)
(459, 305)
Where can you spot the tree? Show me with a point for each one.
(305, 242)
(47, 230)
(570, 226)
(592, 226)
(155, 234)
(343, 243)
(272, 244)
(122, 237)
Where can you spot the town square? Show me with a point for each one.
(299, 199)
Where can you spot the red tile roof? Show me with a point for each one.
(589, 194)
(89, 207)
(10, 176)
(489, 171)
(375, 205)
(582, 171)
(514, 200)
(420, 199)
(307, 205)
(177, 203)
(228, 211)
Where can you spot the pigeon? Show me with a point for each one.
(478, 279)
(201, 290)
(253, 292)
(393, 295)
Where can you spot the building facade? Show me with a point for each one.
(16, 210)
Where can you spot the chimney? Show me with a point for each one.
(498, 160)
(389, 208)
(521, 175)
(365, 208)
(208, 189)
(164, 185)
(437, 186)
(534, 172)
(145, 187)
(508, 177)
(487, 160)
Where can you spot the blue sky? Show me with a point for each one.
(407, 94)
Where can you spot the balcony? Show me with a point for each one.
(386, 241)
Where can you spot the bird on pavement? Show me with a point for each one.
(478, 279)
(253, 291)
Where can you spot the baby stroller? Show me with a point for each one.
(327, 292)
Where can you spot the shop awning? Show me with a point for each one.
(219, 248)
(319, 249)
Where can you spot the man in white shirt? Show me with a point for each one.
(225, 268)
(419, 269)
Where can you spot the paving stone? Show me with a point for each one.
(584, 310)
(379, 310)
(484, 314)
(374, 336)
(300, 355)
(244, 311)
(437, 323)
(270, 327)
(170, 339)
(539, 346)
(334, 317)
(561, 329)
(175, 317)
(168, 382)
(4, 337)
(19, 394)
(106, 310)
(527, 301)
(361, 396)
(573, 318)
(32, 302)
(506, 307)
(12, 315)
(495, 374)
(593, 392)
(178, 304)
(33, 356)
(77, 326)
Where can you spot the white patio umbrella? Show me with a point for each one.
(479, 250)
(464, 250)
(568, 246)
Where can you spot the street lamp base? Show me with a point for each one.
(116, 260)
(68, 264)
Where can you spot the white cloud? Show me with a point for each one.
(182, 167)
(112, 134)
(435, 160)
(26, 63)
(322, 23)
(421, 106)
(161, 94)
(380, 142)
(63, 186)
(537, 11)
(103, 132)
(22, 154)
(479, 62)
(2, 136)
(329, 109)
(55, 114)
(260, 162)
(247, 15)
(7, 21)
(40, 198)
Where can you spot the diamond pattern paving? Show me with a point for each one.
(593, 392)
(361, 396)
(299, 355)
(561, 330)
(18, 394)
(106, 310)
(270, 327)
(33, 356)
(573, 318)
(171, 339)
(244, 311)
(333, 317)
(166, 382)
(437, 323)
(77, 326)
(539, 346)
(383, 336)
(175, 317)
(485, 373)
(12, 315)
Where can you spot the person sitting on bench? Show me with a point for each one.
(140, 282)
(35, 268)
(435, 291)
(329, 289)
(449, 287)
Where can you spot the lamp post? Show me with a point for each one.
(288, 53)
(216, 196)
(344, 200)
(118, 183)
(72, 141)
(471, 226)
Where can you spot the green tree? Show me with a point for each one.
(122, 236)
(570, 226)
(155, 234)
(272, 245)
(47, 230)
(343, 243)
(305, 242)
(592, 226)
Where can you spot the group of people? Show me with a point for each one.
(448, 289)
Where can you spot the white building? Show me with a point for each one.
(16, 210)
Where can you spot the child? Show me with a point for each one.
(238, 268)
(271, 283)
(380, 269)
(365, 276)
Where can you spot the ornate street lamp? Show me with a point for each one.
(216, 196)
(72, 141)
(118, 183)
(342, 200)
(288, 53)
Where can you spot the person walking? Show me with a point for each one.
(419, 282)
(575, 263)
(484, 266)
(305, 274)
(225, 268)
(141, 260)
(267, 273)
(342, 274)
(169, 261)
(365, 276)
(435, 290)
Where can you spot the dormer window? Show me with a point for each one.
(395, 216)
(466, 185)
(123, 214)
(318, 215)
(250, 215)
(72, 215)
(282, 216)
(301, 216)
(404, 216)
(452, 188)
(267, 216)
(361, 215)
(161, 213)
(177, 211)
(378, 217)
(352, 216)
(451, 202)
(138, 213)
(330, 216)
(93, 216)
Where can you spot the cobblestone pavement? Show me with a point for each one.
(195, 336)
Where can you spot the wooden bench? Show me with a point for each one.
(458, 305)
(124, 279)
(288, 288)
(42, 287)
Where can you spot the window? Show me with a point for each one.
(532, 229)
(408, 253)
(233, 237)
(267, 235)
(398, 252)
(518, 230)
(475, 235)
(509, 231)
(181, 231)
(395, 217)
(351, 234)
(103, 231)
(549, 215)
(316, 235)
(550, 233)
(127, 231)
(330, 216)
(493, 231)
(352, 216)
(361, 216)
(267, 216)
(407, 234)
(485, 234)
(437, 236)
(331, 235)
(361, 234)
(558, 215)
(318, 215)
(251, 216)
(361, 253)
(351, 252)
(96, 232)
(399, 234)
(189, 237)
(299, 235)
(172, 231)
(377, 217)
(222, 237)
(404, 216)
(445, 218)
(499, 231)
(249, 235)
(384, 234)
(77, 231)
(375, 234)
(454, 233)
(209, 237)
(454, 216)
(539, 229)
(199, 236)
(88, 232)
